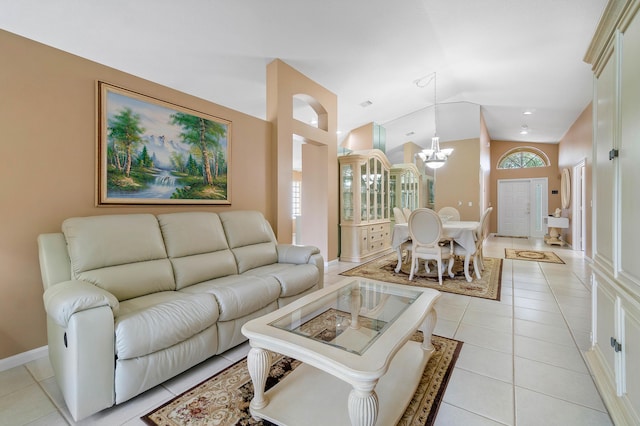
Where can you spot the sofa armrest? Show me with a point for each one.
(55, 266)
(63, 300)
(288, 253)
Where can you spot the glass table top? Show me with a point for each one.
(351, 318)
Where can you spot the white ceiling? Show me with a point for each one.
(504, 56)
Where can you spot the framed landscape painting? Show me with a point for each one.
(155, 152)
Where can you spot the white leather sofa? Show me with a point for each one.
(133, 300)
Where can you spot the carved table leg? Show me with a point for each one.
(427, 330)
(363, 407)
(258, 364)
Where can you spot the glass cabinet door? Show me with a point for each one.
(347, 192)
(378, 189)
(364, 189)
(385, 192)
(364, 192)
(392, 191)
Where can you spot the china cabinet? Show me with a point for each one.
(614, 357)
(365, 224)
(404, 187)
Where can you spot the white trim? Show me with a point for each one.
(23, 358)
(579, 215)
(333, 262)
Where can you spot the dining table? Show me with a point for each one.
(462, 232)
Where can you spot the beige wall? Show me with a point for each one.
(575, 146)
(359, 139)
(48, 151)
(319, 220)
(459, 179)
(552, 173)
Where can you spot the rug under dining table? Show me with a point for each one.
(383, 269)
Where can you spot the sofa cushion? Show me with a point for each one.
(197, 246)
(158, 321)
(195, 269)
(123, 254)
(250, 237)
(190, 233)
(293, 279)
(239, 295)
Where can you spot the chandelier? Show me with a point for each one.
(435, 157)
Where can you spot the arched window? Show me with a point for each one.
(523, 158)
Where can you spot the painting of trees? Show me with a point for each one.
(202, 134)
(153, 152)
(125, 131)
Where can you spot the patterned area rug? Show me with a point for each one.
(383, 269)
(224, 398)
(532, 255)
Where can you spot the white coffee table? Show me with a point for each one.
(359, 365)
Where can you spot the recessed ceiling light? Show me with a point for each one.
(366, 104)
(524, 129)
(529, 111)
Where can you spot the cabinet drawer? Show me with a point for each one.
(381, 228)
(376, 236)
(377, 245)
(377, 228)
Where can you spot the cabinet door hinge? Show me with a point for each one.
(613, 154)
(617, 346)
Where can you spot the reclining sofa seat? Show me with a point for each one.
(133, 300)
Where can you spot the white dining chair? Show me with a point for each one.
(425, 229)
(405, 247)
(399, 216)
(451, 212)
(481, 235)
(407, 212)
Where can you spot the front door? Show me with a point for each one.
(522, 204)
(513, 208)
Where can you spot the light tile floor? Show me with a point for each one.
(521, 363)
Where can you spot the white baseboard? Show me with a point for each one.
(23, 358)
(331, 263)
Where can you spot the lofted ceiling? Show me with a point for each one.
(502, 56)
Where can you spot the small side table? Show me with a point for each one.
(553, 224)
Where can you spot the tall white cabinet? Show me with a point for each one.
(365, 224)
(614, 357)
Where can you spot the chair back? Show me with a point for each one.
(425, 227)
(407, 213)
(483, 230)
(452, 212)
(399, 215)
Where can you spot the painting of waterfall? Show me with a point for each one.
(154, 152)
